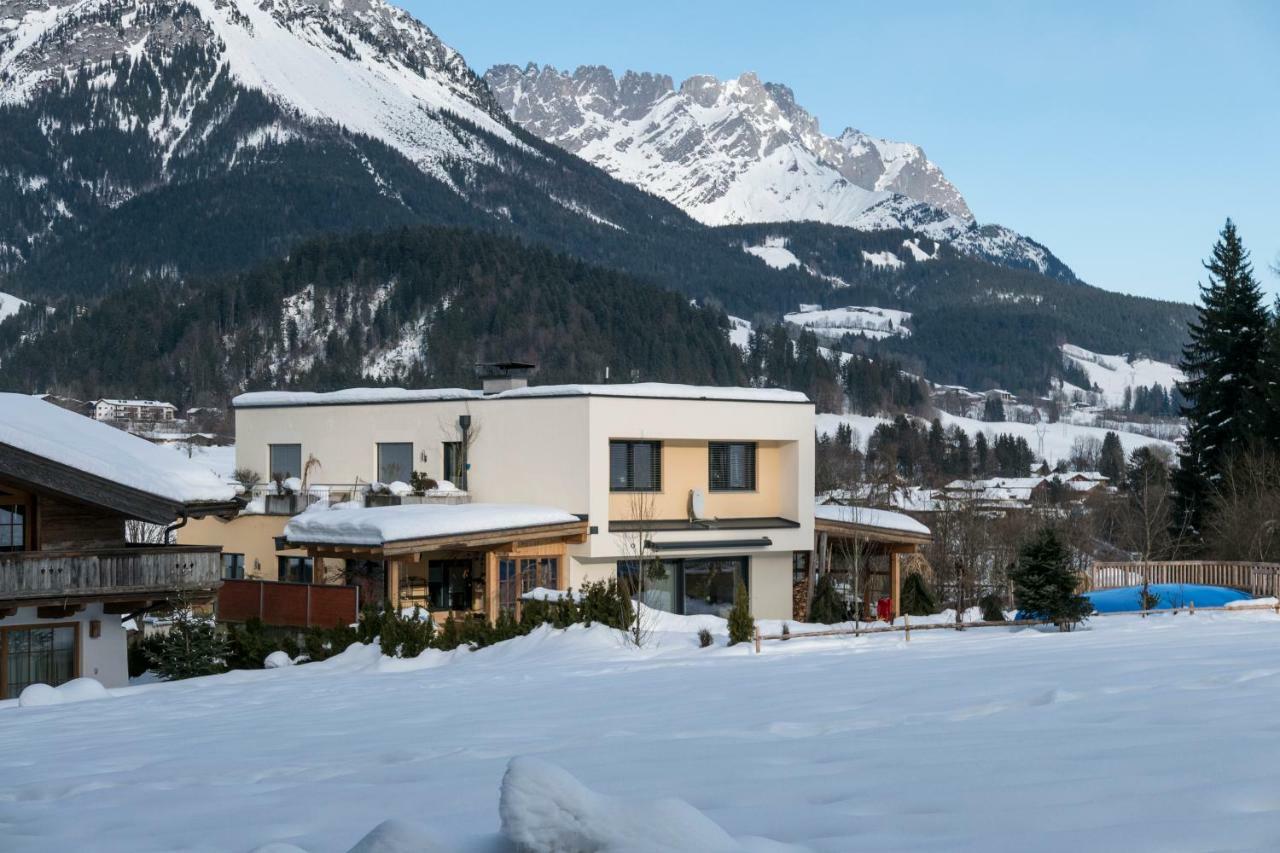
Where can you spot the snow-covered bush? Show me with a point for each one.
(828, 607)
(992, 608)
(704, 638)
(193, 646)
(742, 627)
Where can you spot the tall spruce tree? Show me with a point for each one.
(1111, 462)
(1223, 367)
(1267, 393)
(1044, 584)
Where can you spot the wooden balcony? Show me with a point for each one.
(119, 574)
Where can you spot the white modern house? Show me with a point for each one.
(524, 486)
(135, 411)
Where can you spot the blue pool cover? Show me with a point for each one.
(1171, 595)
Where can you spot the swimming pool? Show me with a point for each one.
(1171, 595)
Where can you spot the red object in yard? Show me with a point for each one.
(884, 610)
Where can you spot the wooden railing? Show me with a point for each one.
(1258, 579)
(116, 571)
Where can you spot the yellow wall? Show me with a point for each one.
(685, 466)
(251, 535)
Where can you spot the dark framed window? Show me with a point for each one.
(689, 586)
(732, 466)
(13, 527)
(508, 583)
(455, 467)
(395, 461)
(285, 459)
(232, 566)
(449, 585)
(539, 572)
(294, 569)
(635, 466)
(36, 655)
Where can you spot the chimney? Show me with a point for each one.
(504, 375)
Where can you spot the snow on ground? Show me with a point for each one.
(1058, 438)
(854, 320)
(1132, 734)
(10, 305)
(1114, 373)
(774, 252)
(739, 332)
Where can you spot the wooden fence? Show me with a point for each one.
(294, 605)
(1260, 580)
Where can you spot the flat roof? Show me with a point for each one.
(880, 519)
(378, 526)
(640, 390)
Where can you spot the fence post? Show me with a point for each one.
(906, 624)
(1192, 610)
(757, 639)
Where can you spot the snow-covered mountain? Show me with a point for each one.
(742, 150)
(361, 64)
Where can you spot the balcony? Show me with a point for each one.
(27, 577)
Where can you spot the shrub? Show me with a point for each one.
(786, 631)
(742, 627)
(828, 606)
(1148, 599)
(916, 598)
(704, 638)
(992, 608)
(140, 655)
(605, 602)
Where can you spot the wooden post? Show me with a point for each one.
(491, 600)
(895, 583)
(757, 639)
(1192, 610)
(393, 584)
(906, 624)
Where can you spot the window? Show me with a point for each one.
(286, 460)
(294, 569)
(539, 572)
(454, 466)
(507, 585)
(635, 466)
(395, 461)
(37, 655)
(692, 586)
(732, 466)
(449, 585)
(233, 567)
(13, 527)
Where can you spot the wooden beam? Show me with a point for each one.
(491, 601)
(58, 612)
(895, 583)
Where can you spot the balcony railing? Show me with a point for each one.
(115, 572)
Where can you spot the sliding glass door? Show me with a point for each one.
(688, 586)
(37, 655)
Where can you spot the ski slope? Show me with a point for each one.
(1112, 374)
(1133, 734)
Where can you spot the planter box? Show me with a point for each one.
(410, 500)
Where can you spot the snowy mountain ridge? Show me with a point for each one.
(361, 64)
(743, 151)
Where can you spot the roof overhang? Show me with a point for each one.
(33, 472)
(869, 533)
(482, 540)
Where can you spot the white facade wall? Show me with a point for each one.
(104, 658)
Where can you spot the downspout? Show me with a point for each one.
(176, 526)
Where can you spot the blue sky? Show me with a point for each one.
(1120, 135)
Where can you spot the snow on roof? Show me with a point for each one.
(112, 402)
(350, 396)
(881, 518)
(79, 442)
(381, 525)
(659, 389)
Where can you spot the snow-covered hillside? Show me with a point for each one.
(1131, 734)
(10, 305)
(1051, 442)
(1113, 374)
(852, 320)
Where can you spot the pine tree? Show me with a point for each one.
(1228, 341)
(742, 627)
(828, 607)
(916, 598)
(192, 647)
(982, 454)
(1044, 583)
(1111, 462)
(1268, 390)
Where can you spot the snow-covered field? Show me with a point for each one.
(1134, 734)
(10, 305)
(853, 319)
(1057, 438)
